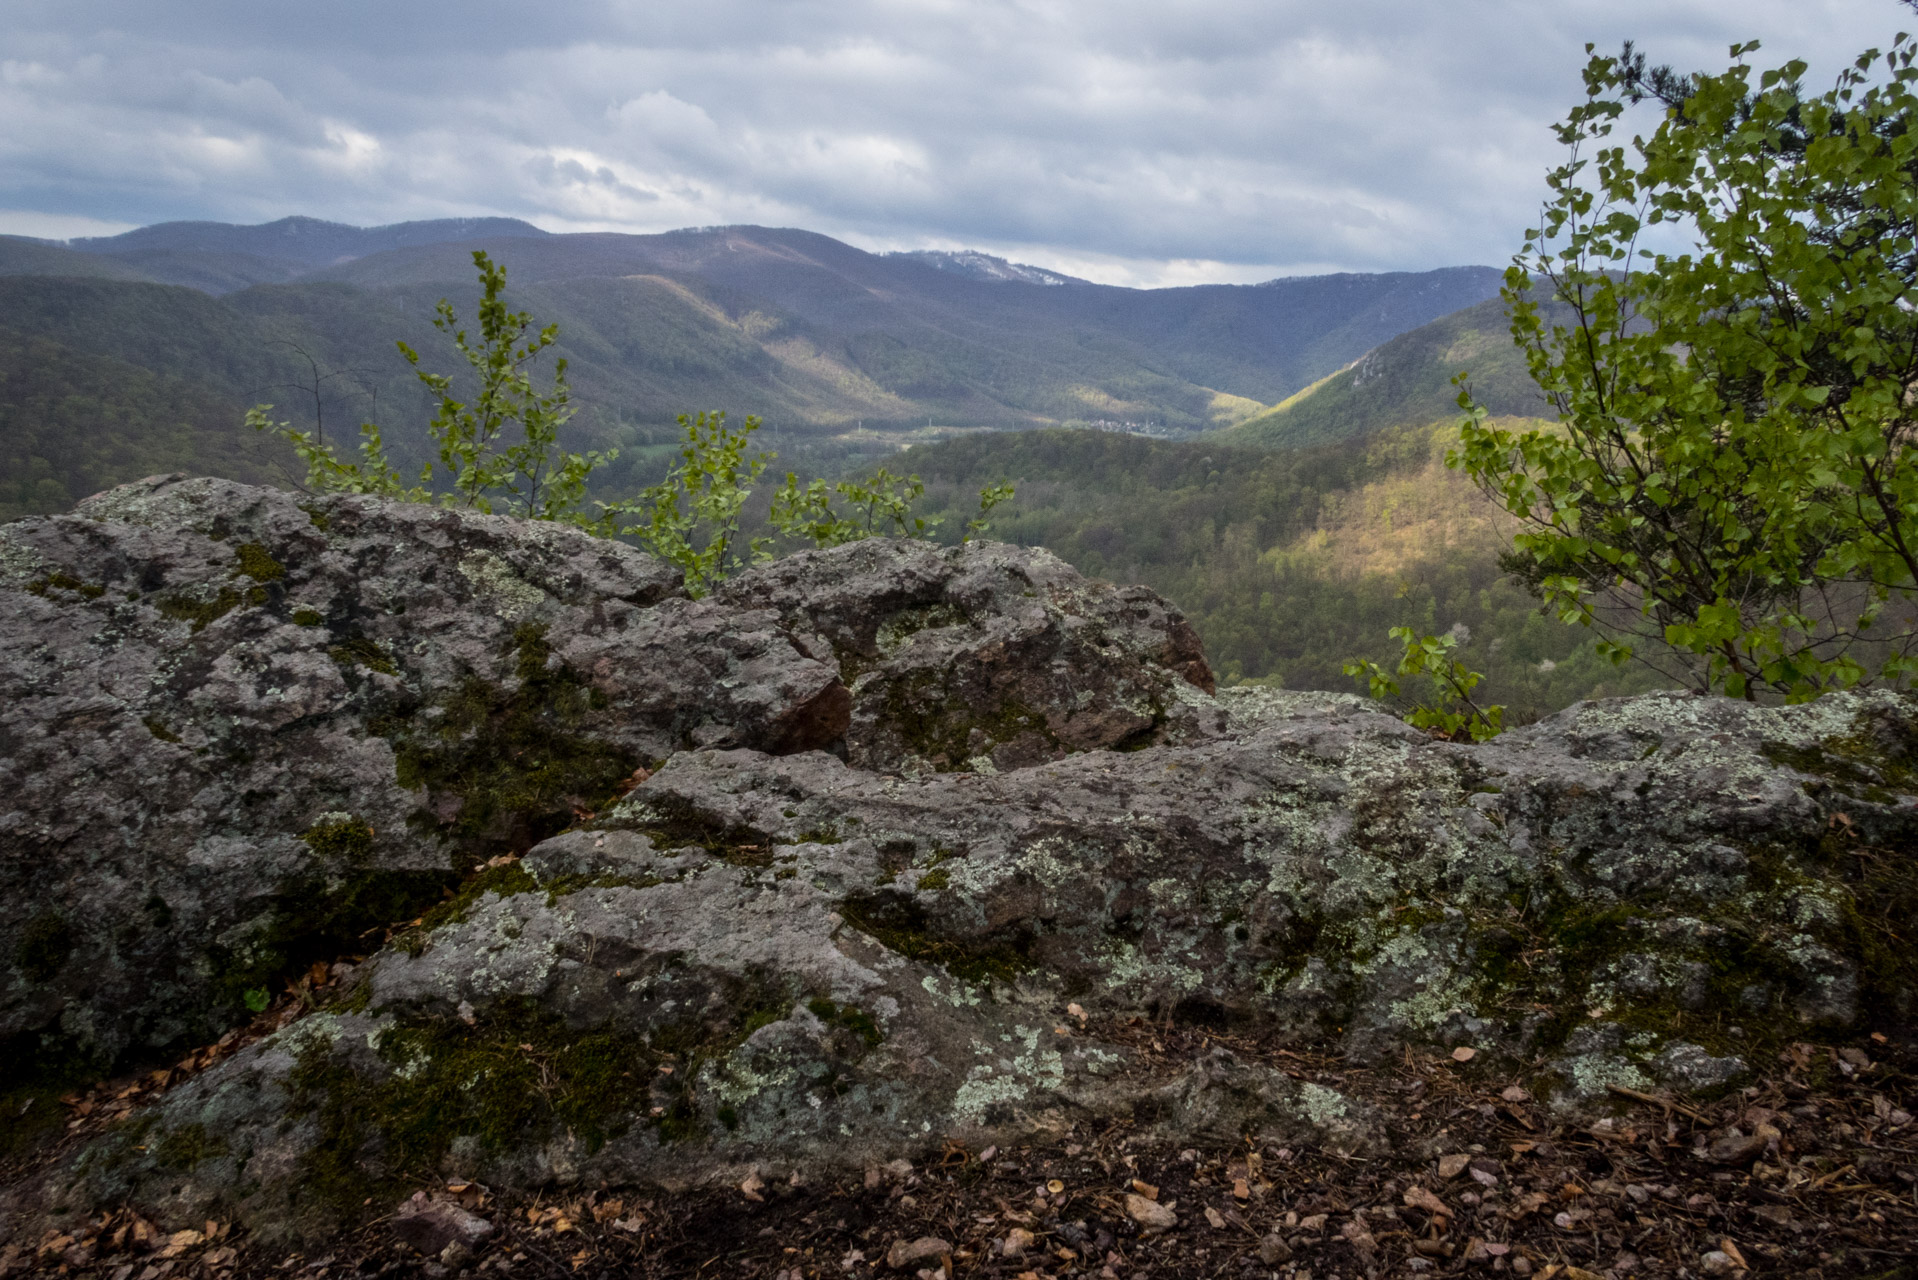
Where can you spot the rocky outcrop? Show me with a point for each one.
(1036, 837)
(239, 729)
(996, 660)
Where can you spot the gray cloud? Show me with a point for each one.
(1135, 142)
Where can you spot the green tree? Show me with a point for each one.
(692, 519)
(1449, 709)
(1730, 480)
(712, 479)
(529, 475)
(880, 505)
(533, 476)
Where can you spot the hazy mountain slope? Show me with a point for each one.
(72, 424)
(167, 329)
(904, 341)
(308, 241)
(812, 335)
(207, 270)
(218, 257)
(995, 350)
(20, 256)
(984, 266)
(1407, 380)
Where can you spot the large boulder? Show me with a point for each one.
(759, 965)
(939, 841)
(240, 729)
(997, 659)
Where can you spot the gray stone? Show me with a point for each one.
(904, 1253)
(433, 1227)
(765, 960)
(1690, 1067)
(986, 657)
(1273, 1250)
(235, 726)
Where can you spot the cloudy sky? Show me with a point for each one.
(1130, 141)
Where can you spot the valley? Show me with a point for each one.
(1268, 457)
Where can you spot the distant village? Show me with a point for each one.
(1157, 430)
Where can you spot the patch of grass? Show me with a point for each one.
(307, 617)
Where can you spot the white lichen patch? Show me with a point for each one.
(1005, 1080)
(1322, 1106)
(509, 596)
(18, 565)
(959, 997)
(320, 1031)
(1124, 965)
(1592, 1074)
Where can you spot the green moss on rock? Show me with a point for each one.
(315, 917)
(257, 563)
(899, 925)
(66, 582)
(516, 759)
(938, 722)
(186, 1146)
(343, 838)
(518, 1074)
(852, 1019)
(361, 651)
(200, 613)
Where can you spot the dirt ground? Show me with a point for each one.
(1812, 1172)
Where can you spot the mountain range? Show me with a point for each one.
(1301, 508)
(816, 337)
(805, 330)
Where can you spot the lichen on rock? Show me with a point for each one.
(872, 849)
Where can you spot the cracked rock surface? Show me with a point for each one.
(1034, 822)
(239, 729)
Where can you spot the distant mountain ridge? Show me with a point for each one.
(983, 266)
(815, 336)
(1404, 382)
(308, 241)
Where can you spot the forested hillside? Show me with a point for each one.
(72, 424)
(813, 335)
(1405, 380)
(1288, 562)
